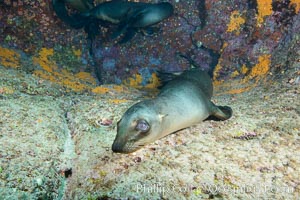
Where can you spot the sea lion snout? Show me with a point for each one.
(138, 127)
(117, 147)
(123, 145)
(120, 144)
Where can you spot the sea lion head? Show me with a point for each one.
(140, 125)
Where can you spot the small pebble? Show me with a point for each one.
(105, 122)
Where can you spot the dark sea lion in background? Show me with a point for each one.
(182, 102)
(140, 14)
(130, 16)
(76, 20)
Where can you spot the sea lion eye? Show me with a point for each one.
(142, 125)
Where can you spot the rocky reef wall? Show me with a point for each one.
(242, 41)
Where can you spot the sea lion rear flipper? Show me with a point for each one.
(220, 113)
(128, 36)
(121, 29)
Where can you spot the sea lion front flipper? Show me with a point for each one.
(219, 113)
(149, 30)
(130, 33)
(125, 24)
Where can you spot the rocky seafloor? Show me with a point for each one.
(56, 145)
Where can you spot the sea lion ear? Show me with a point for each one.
(161, 117)
(219, 113)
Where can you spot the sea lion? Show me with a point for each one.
(182, 102)
(137, 13)
(130, 16)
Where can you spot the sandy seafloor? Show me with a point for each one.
(46, 136)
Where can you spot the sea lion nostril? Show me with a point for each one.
(116, 147)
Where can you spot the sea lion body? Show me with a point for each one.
(184, 101)
(113, 11)
(138, 14)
